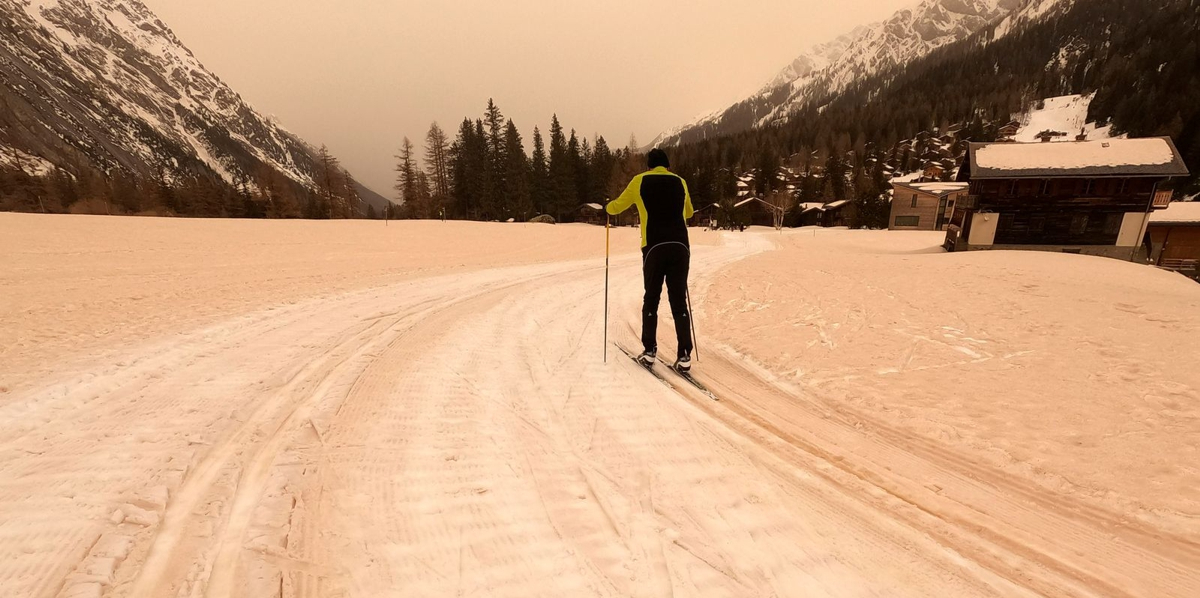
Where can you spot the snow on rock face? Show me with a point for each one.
(1028, 12)
(31, 165)
(105, 82)
(831, 67)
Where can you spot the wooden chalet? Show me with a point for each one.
(924, 205)
(1091, 197)
(1174, 238)
(1011, 129)
(837, 213)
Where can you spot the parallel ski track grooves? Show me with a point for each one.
(741, 412)
(151, 579)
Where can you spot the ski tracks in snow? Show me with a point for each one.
(460, 436)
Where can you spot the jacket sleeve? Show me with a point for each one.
(688, 212)
(632, 193)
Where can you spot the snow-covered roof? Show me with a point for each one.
(1179, 212)
(938, 189)
(743, 202)
(1152, 156)
(835, 204)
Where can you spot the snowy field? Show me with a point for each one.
(297, 409)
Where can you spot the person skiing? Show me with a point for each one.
(664, 206)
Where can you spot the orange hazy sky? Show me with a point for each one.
(359, 75)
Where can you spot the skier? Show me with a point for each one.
(664, 205)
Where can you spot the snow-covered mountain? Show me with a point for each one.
(829, 68)
(104, 84)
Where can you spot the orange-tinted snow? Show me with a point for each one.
(220, 409)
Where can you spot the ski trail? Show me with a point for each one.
(459, 435)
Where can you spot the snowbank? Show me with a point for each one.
(1074, 373)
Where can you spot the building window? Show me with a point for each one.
(914, 200)
(1079, 224)
(908, 221)
(1112, 224)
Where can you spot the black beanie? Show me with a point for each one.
(657, 158)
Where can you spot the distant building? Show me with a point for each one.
(1174, 238)
(1010, 129)
(924, 206)
(808, 214)
(1048, 136)
(837, 213)
(1092, 197)
(933, 172)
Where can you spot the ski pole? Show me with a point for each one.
(607, 245)
(607, 251)
(692, 321)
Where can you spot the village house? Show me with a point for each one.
(838, 213)
(1174, 238)
(1009, 130)
(1090, 197)
(924, 205)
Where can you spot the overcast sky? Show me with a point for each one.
(359, 75)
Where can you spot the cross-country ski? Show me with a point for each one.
(688, 377)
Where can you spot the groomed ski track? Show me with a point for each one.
(460, 436)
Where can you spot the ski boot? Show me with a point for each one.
(647, 358)
(684, 365)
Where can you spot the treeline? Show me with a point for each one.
(1145, 72)
(266, 193)
(485, 172)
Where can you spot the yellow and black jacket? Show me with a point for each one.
(664, 206)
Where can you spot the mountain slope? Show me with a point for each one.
(1138, 77)
(105, 85)
(830, 68)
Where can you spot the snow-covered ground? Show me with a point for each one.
(1065, 114)
(217, 408)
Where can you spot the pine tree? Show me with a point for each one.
(423, 197)
(437, 163)
(460, 171)
(562, 183)
(481, 179)
(328, 181)
(540, 176)
(516, 192)
(406, 178)
(580, 151)
(602, 164)
(835, 177)
(766, 171)
(352, 200)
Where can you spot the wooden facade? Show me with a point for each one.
(1076, 197)
(1173, 240)
(924, 206)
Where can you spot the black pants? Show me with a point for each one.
(666, 262)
